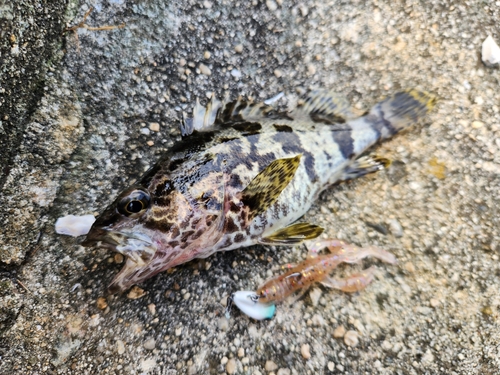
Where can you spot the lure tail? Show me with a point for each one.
(400, 111)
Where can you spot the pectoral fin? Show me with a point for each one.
(266, 187)
(293, 234)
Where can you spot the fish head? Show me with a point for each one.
(159, 225)
(121, 228)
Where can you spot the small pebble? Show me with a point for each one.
(490, 53)
(223, 301)
(386, 345)
(223, 324)
(102, 303)
(152, 308)
(231, 366)
(271, 5)
(311, 69)
(205, 70)
(397, 347)
(278, 73)
(318, 320)
(118, 258)
(283, 371)
(331, 366)
(395, 227)
(434, 302)
(120, 347)
(236, 73)
(410, 267)
(182, 62)
(305, 351)
(351, 338)
(428, 357)
(178, 332)
(206, 55)
(154, 126)
(136, 293)
(94, 320)
(415, 185)
(238, 48)
(479, 100)
(241, 352)
(477, 124)
(315, 295)
(150, 344)
(150, 143)
(270, 366)
(223, 361)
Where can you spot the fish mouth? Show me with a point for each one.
(137, 247)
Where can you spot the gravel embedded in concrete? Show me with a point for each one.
(436, 311)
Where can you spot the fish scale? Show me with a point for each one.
(243, 174)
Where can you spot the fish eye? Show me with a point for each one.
(134, 203)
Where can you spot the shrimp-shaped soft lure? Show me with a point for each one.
(316, 268)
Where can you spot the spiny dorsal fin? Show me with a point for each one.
(266, 187)
(247, 110)
(217, 112)
(324, 106)
(203, 117)
(293, 234)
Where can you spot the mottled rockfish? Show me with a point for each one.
(243, 174)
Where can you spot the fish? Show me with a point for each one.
(242, 174)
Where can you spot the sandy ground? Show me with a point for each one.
(435, 208)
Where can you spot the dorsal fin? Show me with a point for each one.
(266, 187)
(324, 106)
(217, 112)
(203, 117)
(248, 110)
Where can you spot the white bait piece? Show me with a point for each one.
(75, 226)
(248, 303)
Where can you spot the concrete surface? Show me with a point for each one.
(436, 208)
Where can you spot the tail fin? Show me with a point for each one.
(400, 111)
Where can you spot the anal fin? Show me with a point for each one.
(293, 234)
(365, 165)
(266, 187)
